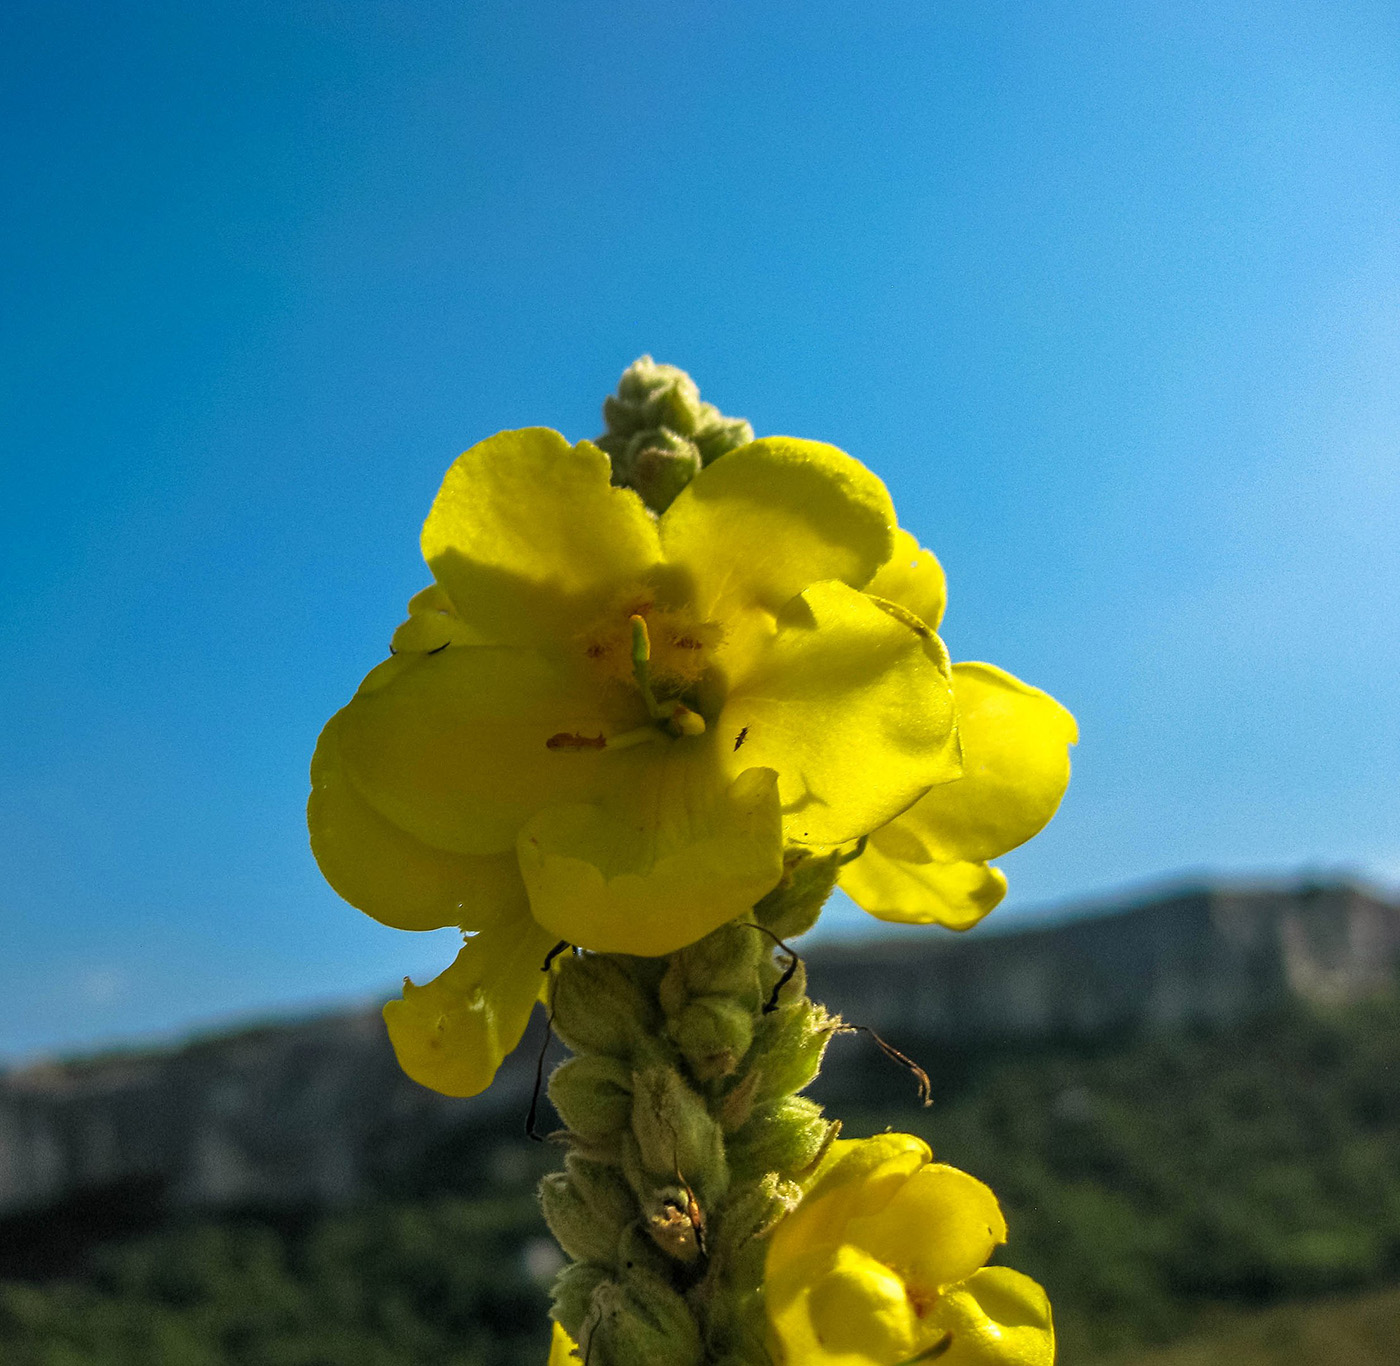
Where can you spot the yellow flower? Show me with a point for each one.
(884, 1263)
(562, 1351)
(603, 727)
(930, 863)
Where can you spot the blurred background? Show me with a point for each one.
(1108, 293)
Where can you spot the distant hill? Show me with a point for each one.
(1164, 1188)
(317, 1114)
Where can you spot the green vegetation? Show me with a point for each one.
(1358, 1330)
(1146, 1185)
(1164, 1191)
(441, 1281)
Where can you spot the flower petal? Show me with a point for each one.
(858, 1308)
(432, 624)
(451, 1034)
(913, 578)
(939, 1228)
(387, 873)
(562, 1349)
(997, 1318)
(857, 1175)
(1015, 747)
(528, 536)
(851, 704)
(453, 746)
(759, 525)
(895, 879)
(673, 853)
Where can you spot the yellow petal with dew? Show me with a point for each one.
(390, 875)
(850, 703)
(896, 879)
(452, 1033)
(997, 1318)
(454, 748)
(913, 578)
(940, 1226)
(1015, 747)
(674, 852)
(529, 537)
(772, 517)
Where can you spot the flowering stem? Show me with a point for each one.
(686, 1137)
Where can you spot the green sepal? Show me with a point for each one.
(639, 1320)
(717, 435)
(676, 1136)
(751, 1211)
(593, 1095)
(792, 907)
(723, 963)
(598, 1008)
(713, 1034)
(576, 1226)
(572, 1295)
(790, 1044)
(661, 468)
(587, 1206)
(786, 1137)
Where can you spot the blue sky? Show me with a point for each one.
(1109, 293)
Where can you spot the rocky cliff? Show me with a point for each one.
(317, 1112)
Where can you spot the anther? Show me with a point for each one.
(685, 722)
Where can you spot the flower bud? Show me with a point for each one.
(572, 1295)
(718, 435)
(791, 1043)
(593, 1095)
(598, 1008)
(661, 467)
(587, 1206)
(652, 395)
(660, 433)
(675, 1133)
(787, 1137)
(751, 1211)
(791, 908)
(713, 1034)
(639, 1320)
(723, 963)
(573, 1224)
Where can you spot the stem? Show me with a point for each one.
(686, 1137)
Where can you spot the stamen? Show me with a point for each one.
(628, 738)
(641, 666)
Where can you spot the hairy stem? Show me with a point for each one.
(687, 1139)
